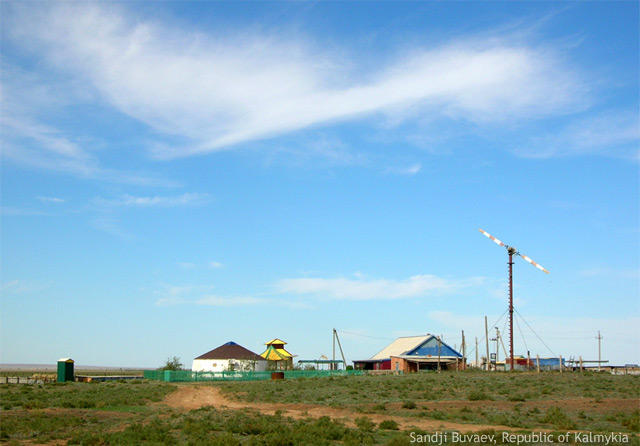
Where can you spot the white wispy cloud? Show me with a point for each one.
(318, 150)
(193, 265)
(28, 142)
(51, 199)
(111, 225)
(30, 101)
(409, 171)
(219, 301)
(127, 200)
(212, 91)
(202, 295)
(16, 286)
(12, 211)
(613, 133)
(366, 289)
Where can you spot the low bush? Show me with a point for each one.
(409, 405)
(477, 395)
(365, 424)
(558, 419)
(389, 425)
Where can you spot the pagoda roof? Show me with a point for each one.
(276, 354)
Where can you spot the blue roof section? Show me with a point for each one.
(430, 348)
(230, 343)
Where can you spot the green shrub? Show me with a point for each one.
(558, 418)
(477, 395)
(408, 405)
(389, 425)
(365, 424)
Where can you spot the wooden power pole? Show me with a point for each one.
(464, 352)
(439, 346)
(599, 338)
(486, 340)
(477, 365)
(336, 338)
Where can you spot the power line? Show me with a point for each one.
(534, 332)
(493, 325)
(365, 336)
(521, 334)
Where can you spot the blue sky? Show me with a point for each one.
(178, 175)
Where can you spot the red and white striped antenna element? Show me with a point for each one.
(512, 251)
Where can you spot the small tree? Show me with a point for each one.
(172, 364)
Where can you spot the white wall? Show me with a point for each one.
(222, 365)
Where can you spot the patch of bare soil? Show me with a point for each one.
(192, 396)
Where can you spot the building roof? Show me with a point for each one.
(231, 350)
(426, 359)
(417, 346)
(275, 341)
(276, 354)
(400, 346)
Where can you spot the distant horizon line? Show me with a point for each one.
(17, 366)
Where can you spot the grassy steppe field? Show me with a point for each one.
(361, 409)
(549, 400)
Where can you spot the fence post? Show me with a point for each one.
(538, 363)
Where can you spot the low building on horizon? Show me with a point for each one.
(411, 354)
(278, 358)
(229, 357)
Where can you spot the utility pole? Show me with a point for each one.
(497, 346)
(333, 357)
(477, 365)
(599, 338)
(439, 346)
(486, 340)
(503, 349)
(464, 352)
(336, 338)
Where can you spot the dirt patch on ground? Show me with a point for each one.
(191, 396)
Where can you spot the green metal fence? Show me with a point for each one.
(189, 376)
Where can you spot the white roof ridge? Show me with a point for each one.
(401, 345)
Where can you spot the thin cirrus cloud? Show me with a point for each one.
(191, 265)
(408, 171)
(212, 91)
(51, 199)
(363, 289)
(126, 200)
(28, 142)
(219, 301)
(613, 132)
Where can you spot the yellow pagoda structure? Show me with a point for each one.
(276, 355)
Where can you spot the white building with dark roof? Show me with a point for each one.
(229, 357)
